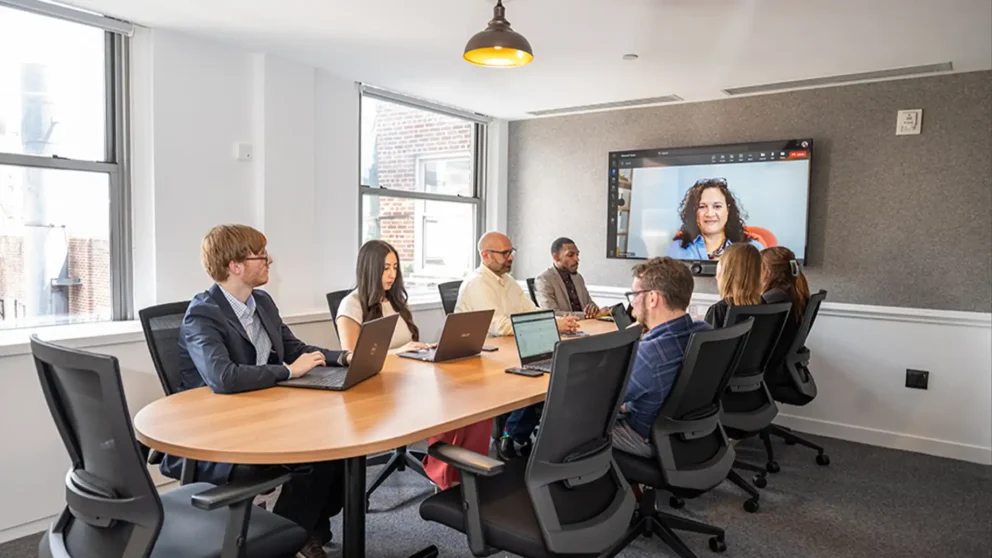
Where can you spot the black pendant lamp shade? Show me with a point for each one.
(499, 46)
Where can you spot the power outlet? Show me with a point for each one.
(917, 379)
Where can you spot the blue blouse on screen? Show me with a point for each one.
(696, 250)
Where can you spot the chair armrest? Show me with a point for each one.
(154, 457)
(465, 460)
(240, 491)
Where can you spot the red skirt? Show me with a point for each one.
(474, 437)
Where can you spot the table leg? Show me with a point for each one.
(354, 507)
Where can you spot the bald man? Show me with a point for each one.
(492, 287)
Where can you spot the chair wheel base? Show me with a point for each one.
(751, 506)
(676, 503)
(760, 481)
(772, 467)
(823, 459)
(717, 544)
(790, 443)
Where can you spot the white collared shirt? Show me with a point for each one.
(484, 290)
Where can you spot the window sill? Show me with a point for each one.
(15, 342)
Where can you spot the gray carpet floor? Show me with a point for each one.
(869, 502)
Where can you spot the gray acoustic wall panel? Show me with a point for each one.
(894, 220)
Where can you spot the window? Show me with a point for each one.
(63, 186)
(421, 187)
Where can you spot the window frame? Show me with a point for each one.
(477, 158)
(116, 160)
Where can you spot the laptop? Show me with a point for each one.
(536, 334)
(366, 361)
(462, 337)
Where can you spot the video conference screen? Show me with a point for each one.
(690, 203)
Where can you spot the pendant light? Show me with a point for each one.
(498, 46)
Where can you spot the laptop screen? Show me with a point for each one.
(536, 333)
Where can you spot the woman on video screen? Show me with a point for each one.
(711, 221)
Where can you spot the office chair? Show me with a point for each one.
(531, 288)
(792, 382)
(568, 497)
(449, 295)
(692, 452)
(398, 459)
(160, 325)
(112, 506)
(748, 407)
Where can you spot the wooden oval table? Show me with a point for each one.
(407, 402)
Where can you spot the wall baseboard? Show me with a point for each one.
(885, 439)
(40, 525)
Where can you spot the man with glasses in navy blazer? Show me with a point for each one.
(233, 340)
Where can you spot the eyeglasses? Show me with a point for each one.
(701, 181)
(631, 295)
(504, 253)
(262, 258)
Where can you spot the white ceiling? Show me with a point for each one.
(691, 48)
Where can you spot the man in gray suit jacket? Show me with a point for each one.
(560, 287)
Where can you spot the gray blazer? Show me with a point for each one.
(551, 294)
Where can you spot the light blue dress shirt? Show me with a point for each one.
(248, 316)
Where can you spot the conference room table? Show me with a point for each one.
(408, 401)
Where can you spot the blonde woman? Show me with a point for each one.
(738, 275)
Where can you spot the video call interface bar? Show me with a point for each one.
(773, 151)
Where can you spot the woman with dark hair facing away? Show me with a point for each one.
(782, 280)
(380, 292)
(712, 220)
(738, 276)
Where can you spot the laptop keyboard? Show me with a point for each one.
(330, 378)
(542, 365)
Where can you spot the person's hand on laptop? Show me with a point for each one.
(568, 324)
(413, 346)
(306, 363)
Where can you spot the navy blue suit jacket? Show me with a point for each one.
(214, 350)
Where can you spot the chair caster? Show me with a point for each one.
(751, 506)
(760, 481)
(772, 467)
(790, 443)
(823, 459)
(676, 502)
(368, 505)
(717, 544)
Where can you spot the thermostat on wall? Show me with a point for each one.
(909, 122)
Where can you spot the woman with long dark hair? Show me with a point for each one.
(380, 292)
(712, 220)
(782, 280)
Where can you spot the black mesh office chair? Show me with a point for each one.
(748, 407)
(568, 497)
(400, 458)
(791, 381)
(161, 327)
(692, 452)
(532, 289)
(112, 506)
(449, 295)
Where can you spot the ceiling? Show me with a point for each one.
(690, 48)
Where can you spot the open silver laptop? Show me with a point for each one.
(367, 360)
(536, 334)
(463, 335)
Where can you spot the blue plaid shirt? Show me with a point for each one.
(658, 359)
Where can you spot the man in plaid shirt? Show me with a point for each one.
(659, 297)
